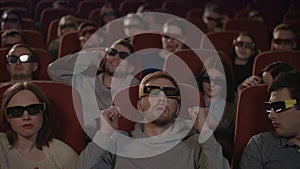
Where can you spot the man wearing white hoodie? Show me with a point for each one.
(162, 140)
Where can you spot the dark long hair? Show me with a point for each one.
(43, 136)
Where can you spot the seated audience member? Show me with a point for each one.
(66, 24)
(107, 14)
(284, 38)
(256, 15)
(133, 24)
(11, 37)
(279, 148)
(173, 37)
(214, 17)
(85, 32)
(11, 19)
(113, 74)
(215, 82)
(267, 75)
(149, 19)
(26, 141)
(21, 63)
(244, 52)
(163, 140)
(60, 4)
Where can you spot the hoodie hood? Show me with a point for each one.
(139, 145)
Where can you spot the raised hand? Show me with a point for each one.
(199, 115)
(109, 120)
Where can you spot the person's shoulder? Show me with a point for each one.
(265, 135)
(3, 137)
(266, 138)
(61, 148)
(56, 143)
(4, 144)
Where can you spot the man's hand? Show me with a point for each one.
(109, 120)
(199, 115)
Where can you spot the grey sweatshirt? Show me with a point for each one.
(178, 148)
(79, 70)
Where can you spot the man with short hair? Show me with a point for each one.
(11, 37)
(161, 140)
(279, 148)
(173, 37)
(21, 63)
(88, 36)
(11, 19)
(96, 81)
(174, 31)
(284, 38)
(214, 17)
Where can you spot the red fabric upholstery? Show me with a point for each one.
(69, 44)
(256, 28)
(84, 7)
(263, 59)
(189, 62)
(147, 40)
(251, 118)
(50, 14)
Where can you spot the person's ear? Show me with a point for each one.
(139, 105)
(178, 108)
(295, 45)
(34, 66)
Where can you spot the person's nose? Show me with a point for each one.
(272, 114)
(25, 115)
(162, 98)
(18, 62)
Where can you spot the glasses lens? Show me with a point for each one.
(283, 41)
(206, 79)
(114, 52)
(111, 51)
(12, 58)
(171, 91)
(16, 111)
(268, 107)
(123, 55)
(244, 44)
(35, 108)
(249, 45)
(218, 81)
(70, 25)
(149, 90)
(90, 31)
(24, 58)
